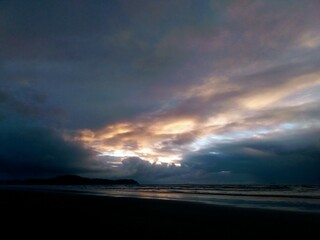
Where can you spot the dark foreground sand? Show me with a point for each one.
(62, 214)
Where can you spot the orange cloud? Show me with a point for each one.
(166, 136)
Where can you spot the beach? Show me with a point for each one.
(61, 213)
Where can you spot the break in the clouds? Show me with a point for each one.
(161, 91)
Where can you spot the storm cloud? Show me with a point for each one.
(39, 152)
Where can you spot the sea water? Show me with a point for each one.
(282, 197)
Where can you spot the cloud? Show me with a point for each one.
(274, 159)
(40, 152)
(281, 158)
(85, 53)
(153, 83)
(278, 157)
(145, 172)
(30, 144)
(28, 105)
(204, 115)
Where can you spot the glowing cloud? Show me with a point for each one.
(162, 137)
(175, 127)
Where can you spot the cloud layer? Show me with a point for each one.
(161, 91)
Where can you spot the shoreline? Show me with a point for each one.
(258, 202)
(142, 217)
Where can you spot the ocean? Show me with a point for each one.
(281, 197)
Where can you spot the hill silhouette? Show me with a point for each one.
(72, 180)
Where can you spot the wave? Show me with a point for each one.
(269, 191)
(285, 197)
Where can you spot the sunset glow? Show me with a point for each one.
(161, 91)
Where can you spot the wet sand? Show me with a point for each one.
(62, 214)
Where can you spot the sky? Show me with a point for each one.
(166, 91)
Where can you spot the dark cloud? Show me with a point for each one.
(39, 152)
(292, 158)
(30, 146)
(106, 55)
(29, 105)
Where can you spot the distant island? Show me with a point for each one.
(71, 180)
